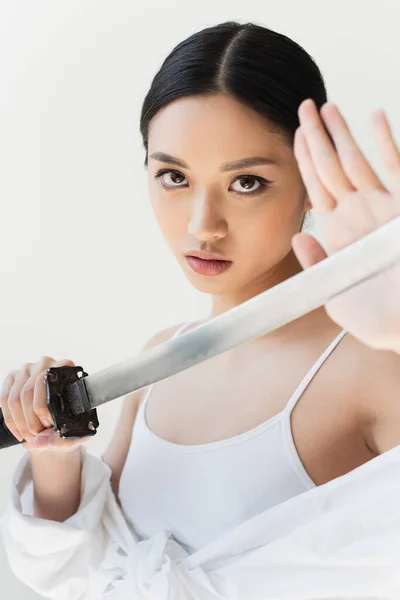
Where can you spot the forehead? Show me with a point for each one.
(208, 125)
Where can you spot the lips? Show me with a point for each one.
(208, 267)
(207, 255)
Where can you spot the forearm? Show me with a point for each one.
(56, 484)
(51, 553)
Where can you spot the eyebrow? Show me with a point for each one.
(251, 161)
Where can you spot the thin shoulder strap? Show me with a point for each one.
(309, 376)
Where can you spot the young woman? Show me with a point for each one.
(231, 186)
(293, 409)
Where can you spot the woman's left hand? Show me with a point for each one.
(349, 202)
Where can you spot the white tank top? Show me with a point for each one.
(199, 492)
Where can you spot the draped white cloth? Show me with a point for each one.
(340, 540)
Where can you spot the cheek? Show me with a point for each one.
(158, 204)
(170, 222)
(267, 238)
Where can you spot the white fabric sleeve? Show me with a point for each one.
(340, 540)
(54, 558)
(95, 553)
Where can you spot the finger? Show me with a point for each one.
(33, 422)
(388, 148)
(55, 443)
(353, 161)
(307, 249)
(319, 196)
(4, 394)
(323, 154)
(15, 405)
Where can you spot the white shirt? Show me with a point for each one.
(340, 540)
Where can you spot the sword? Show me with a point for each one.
(72, 400)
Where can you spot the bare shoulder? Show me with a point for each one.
(377, 383)
(117, 450)
(162, 336)
(159, 337)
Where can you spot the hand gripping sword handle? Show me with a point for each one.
(68, 425)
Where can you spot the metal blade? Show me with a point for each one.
(287, 301)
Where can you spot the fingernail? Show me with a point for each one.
(46, 422)
(41, 441)
(17, 435)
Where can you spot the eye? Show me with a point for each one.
(248, 181)
(243, 179)
(162, 172)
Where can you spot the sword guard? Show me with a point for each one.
(65, 421)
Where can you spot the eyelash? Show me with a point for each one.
(264, 183)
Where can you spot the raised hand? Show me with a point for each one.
(349, 202)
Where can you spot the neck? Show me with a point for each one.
(289, 267)
(307, 325)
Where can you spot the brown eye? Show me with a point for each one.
(247, 182)
(173, 175)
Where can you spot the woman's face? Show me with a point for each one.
(248, 214)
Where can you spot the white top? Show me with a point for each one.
(339, 540)
(220, 484)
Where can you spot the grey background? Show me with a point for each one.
(73, 189)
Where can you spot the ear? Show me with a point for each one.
(308, 206)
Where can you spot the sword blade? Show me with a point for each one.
(287, 301)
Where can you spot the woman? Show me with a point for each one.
(231, 180)
(229, 93)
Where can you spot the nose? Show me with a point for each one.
(206, 221)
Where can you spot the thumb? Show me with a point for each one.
(307, 249)
(50, 439)
(43, 439)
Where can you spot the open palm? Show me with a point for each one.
(349, 202)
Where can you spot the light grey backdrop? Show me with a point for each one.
(73, 191)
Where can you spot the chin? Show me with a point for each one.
(207, 287)
(216, 284)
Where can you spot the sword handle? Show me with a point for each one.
(6, 437)
(69, 425)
